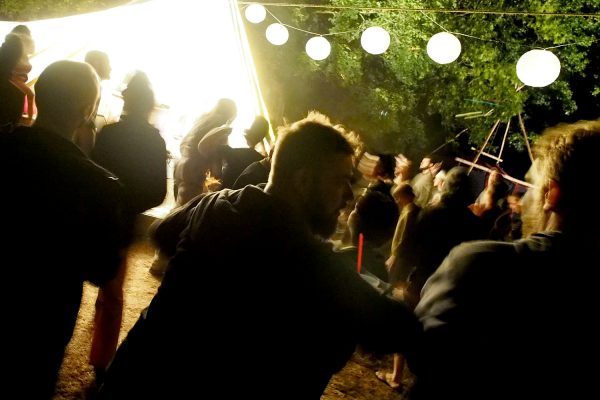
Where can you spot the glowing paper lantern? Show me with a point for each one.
(256, 13)
(538, 68)
(277, 34)
(443, 48)
(375, 40)
(318, 48)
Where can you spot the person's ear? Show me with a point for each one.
(552, 196)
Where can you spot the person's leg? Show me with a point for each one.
(393, 379)
(107, 320)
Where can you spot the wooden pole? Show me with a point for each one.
(487, 139)
(522, 125)
(503, 141)
(486, 169)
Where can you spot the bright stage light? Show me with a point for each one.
(194, 53)
(256, 13)
(538, 68)
(277, 34)
(443, 48)
(375, 40)
(318, 48)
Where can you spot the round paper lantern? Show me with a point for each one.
(538, 68)
(255, 13)
(443, 48)
(318, 48)
(277, 34)
(375, 40)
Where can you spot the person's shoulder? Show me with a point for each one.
(109, 131)
(482, 256)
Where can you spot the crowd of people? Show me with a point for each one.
(485, 295)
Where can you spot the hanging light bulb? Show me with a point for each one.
(538, 68)
(255, 13)
(443, 48)
(318, 48)
(375, 40)
(277, 34)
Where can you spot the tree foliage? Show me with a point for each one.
(27, 10)
(403, 101)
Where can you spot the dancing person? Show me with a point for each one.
(295, 306)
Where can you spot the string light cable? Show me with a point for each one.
(426, 10)
(538, 67)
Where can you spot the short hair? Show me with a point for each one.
(96, 58)
(65, 87)
(21, 30)
(565, 154)
(308, 144)
(377, 217)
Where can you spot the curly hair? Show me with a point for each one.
(565, 154)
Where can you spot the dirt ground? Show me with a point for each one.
(356, 381)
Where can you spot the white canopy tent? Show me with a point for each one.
(194, 53)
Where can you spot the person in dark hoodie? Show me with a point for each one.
(253, 282)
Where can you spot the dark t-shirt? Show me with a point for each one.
(510, 320)
(252, 282)
(235, 161)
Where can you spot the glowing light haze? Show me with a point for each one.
(194, 53)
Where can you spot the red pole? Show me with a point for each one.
(360, 250)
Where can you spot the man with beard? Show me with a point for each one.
(254, 302)
(514, 320)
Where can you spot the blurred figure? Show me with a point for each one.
(20, 73)
(136, 153)
(328, 307)
(85, 137)
(374, 216)
(501, 318)
(235, 160)
(441, 227)
(65, 227)
(402, 169)
(13, 98)
(198, 160)
(402, 260)
(509, 226)
(100, 62)
(438, 185)
(422, 183)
